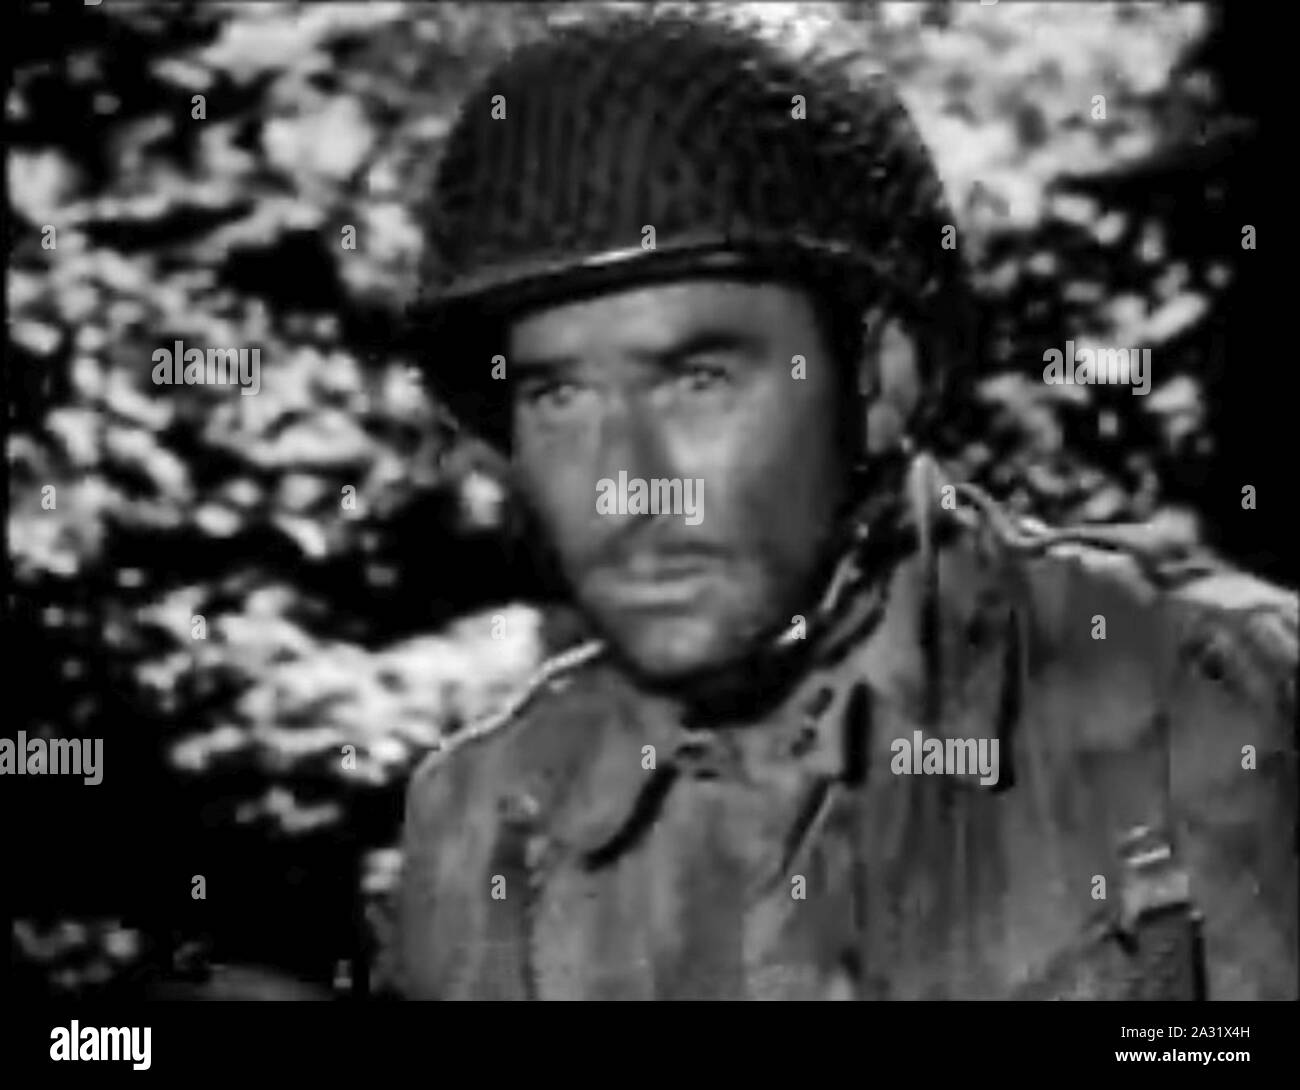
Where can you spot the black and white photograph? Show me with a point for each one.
(648, 501)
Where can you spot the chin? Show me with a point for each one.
(666, 650)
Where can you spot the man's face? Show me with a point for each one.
(683, 398)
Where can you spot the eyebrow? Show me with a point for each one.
(668, 358)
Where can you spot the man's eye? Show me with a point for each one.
(548, 395)
(703, 376)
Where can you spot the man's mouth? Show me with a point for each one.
(657, 579)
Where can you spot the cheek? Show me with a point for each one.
(783, 453)
(558, 485)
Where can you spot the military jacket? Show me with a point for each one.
(1137, 841)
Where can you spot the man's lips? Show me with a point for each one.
(657, 578)
(656, 567)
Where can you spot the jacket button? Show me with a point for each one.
(520, 808)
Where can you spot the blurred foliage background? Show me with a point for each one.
(380, 627)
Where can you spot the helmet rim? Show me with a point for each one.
(517, 283)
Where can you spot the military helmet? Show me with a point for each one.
(740, 158)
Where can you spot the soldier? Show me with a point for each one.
(828, 725)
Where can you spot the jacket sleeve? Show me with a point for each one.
(1232, 778)
(436, 921)
(1189, 694)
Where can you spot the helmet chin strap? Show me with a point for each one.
(923, 485)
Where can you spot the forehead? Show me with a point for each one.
(664, 314)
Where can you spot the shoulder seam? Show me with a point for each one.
(488, 724)
(1166, 565)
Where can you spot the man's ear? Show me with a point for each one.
(889, 379)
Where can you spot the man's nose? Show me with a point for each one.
(632, 440)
